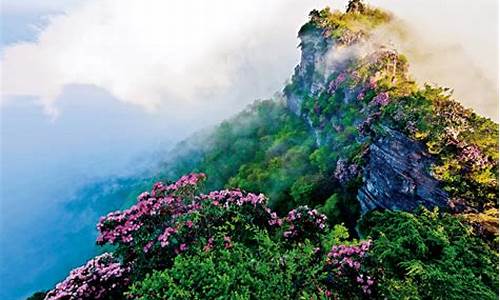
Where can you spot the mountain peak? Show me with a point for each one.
(355, 92)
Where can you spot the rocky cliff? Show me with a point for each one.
(397, 176)
(361, 104)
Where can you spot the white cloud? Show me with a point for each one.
(143, 52)
(179, 55)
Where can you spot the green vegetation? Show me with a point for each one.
(465, 144)
(266, 271)
(268, 149)
(430, 255)
(345, 27)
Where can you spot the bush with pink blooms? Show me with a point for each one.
(172, 218)
(347, 272)
(102, 277)
(304, 223)
(175, 221)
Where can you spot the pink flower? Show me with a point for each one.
(381, 99)
(148, 246)
(209, 245)
(360, 96)
(227, 242)
(97, 279)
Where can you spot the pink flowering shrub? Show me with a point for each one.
(472, 156)
(345, 172)
(381, 99)
(304, 223)
(251, 205)
(164, 201)
(103, 277)
(173, 218)
(347, 274)
(173, 222)
(335, 84)
(365, 127)
(213, 212)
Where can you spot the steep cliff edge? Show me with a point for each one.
(397, 176)
(407, 145)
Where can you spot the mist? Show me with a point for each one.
(95, 96)
(453, 44)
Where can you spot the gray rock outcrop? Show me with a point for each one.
(397, 176)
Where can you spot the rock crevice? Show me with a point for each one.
(397, 176)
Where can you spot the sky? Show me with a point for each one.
(97, 89)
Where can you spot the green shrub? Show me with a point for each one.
(430, 255)
(238, 272)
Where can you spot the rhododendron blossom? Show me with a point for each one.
(99, 278)
(227, 198)
(345, 264)
(303, 221)
(473, 156)
(120, 226)
(381, 99)
(345, 172)
(163, 238)
(334, 84)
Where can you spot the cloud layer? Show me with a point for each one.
(184, 55)
(144, 52)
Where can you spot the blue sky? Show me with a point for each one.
(96, 89)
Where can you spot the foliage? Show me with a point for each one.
(222, 243)
(304, 223)
(176, 243)
(465, 144)
(347, 274)
(266, 149)
(430, 255)
(345, 27)
(267, 271)
(37, 296)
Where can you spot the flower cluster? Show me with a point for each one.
(345, 172)
(184, 183)
(100, 278)
(473, 156)
(163, 238)
(119, 226)
(350, 37)
(209, 245)
(344, 264)
(385, 59)
(365, 126)
(258, 203)
(334, 84)
(234, 197)
(304, 222)
(381, 99)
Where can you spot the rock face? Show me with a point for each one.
(397, 176)
(308, 73)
